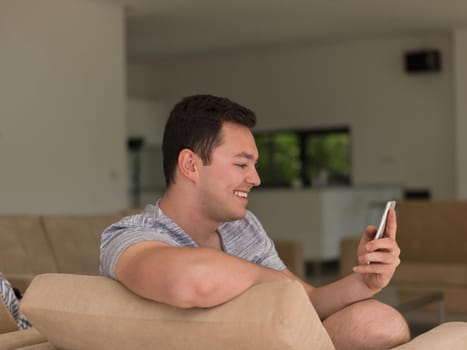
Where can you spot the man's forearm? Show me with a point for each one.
(187, 277)
(334, 296)
(218, 278)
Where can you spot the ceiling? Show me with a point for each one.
(158, 28)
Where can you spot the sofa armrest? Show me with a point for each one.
(450, 335)
(41, 346)
(291, 253)
(348, 255)
(7, 322)
(18, 339)
(95, 312)
(20, 281)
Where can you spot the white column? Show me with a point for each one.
(62, 107)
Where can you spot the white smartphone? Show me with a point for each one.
(382, 224)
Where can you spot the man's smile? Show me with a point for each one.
(241, 194)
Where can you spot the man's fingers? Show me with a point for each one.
(373, 268)
(370, 232)
(384, 244)
(379, 258)
(391, 224)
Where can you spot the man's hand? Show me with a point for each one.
(378, 259)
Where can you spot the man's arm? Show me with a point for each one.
(332, 297)
(188, 277)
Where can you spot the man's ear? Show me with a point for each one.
(187, 164)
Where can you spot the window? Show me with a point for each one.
(303, 158)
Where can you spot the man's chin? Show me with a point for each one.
(238, 215)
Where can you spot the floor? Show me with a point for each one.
(419, 321)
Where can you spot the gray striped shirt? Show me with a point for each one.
(244, 238)
(11, 302)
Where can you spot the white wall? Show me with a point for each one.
(62, 107)
(146, 118)
(403, 125)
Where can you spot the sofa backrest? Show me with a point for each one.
(75, 240)
(104, 315)
(24, 246)
(432, 231)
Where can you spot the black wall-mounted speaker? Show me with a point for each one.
(423, 61)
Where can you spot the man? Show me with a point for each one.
(199, 246)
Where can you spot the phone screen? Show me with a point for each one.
(384, 217)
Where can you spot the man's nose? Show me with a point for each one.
(253, 178)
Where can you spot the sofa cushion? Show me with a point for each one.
(450, 335)
(41, 346)
(19, 339)
(94, 312)
(7, 322)
(25, 248)
(75, 240)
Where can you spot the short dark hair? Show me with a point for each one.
(195, 123)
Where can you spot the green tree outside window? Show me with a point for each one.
(304, 158)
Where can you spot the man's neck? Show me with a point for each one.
(185, 213)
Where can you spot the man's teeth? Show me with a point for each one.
(241, 194)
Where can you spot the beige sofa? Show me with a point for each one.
(77, 312)
(34, 244)
(433, 240)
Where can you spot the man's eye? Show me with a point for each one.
(243, 166)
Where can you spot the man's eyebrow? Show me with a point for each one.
(245, 155)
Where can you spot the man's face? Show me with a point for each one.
(225, 183)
